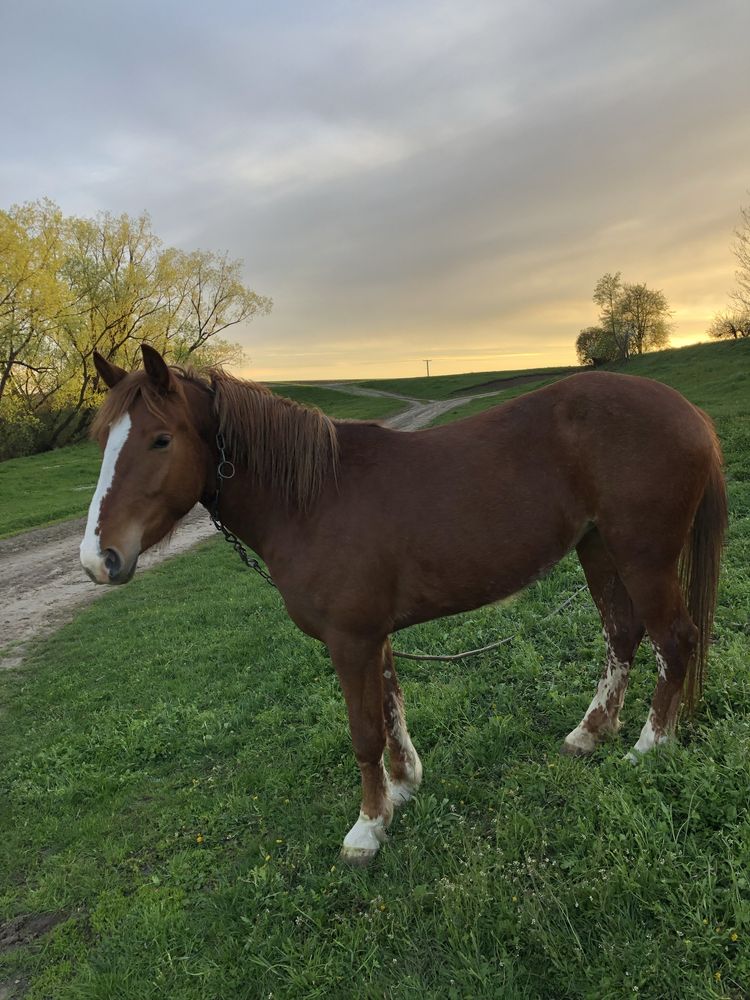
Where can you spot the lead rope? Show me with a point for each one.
(226, 470)
(448, 658)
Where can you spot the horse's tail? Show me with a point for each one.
(700, 563)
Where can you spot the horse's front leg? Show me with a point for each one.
(359, 665)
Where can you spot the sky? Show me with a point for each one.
(406, 180)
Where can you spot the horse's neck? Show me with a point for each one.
(249, 510)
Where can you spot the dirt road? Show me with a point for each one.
(41, 580)
(418, 413)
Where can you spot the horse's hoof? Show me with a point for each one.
(363, 841)
(400, 792)
(357, 857)
(574, 750)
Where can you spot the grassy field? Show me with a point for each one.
(340, 404)
(176, 779)
(445, 386)
(43, 489)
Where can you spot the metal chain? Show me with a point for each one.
(225, 470)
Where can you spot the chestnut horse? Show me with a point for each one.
(367, 530)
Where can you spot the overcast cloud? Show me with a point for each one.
(406, 180)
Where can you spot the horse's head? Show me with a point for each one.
(154, 466)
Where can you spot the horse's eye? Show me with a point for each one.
(162, 441)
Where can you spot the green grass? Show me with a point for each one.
(444, 386)
(338, 404)
(42, 489)
(177, 776)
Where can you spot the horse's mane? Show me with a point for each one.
(282, 444)
(291, 447)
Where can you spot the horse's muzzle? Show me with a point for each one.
(112, 568)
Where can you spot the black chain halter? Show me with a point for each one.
(225, 470)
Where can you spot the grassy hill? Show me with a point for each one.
(338, 403)
(445, 386)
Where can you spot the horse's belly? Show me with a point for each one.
(447, 582)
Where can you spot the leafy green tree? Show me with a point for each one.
(33, 298)
(608, 294)
(633, 318)
(644, 313)
(72, 286)
(595, 346)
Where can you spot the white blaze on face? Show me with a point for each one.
(92, 558)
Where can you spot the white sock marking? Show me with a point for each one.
(91, 553)
(661, 663)
(366, 834)
(401, 791)
(613, 682)
(648, 739)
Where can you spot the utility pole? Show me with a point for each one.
(427, 362)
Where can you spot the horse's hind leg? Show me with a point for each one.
(674, 638)
(406, 767)
(623, 631)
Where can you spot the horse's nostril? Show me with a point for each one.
(112, 562)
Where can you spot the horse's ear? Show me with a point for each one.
(156, 367)
(109, 374)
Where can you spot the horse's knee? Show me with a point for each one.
(675, 650)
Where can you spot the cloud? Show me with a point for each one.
(403, 179)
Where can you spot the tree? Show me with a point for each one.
(730, 325)
(72, 286)
(595, 346)
(741, 250)
(734, 323)
(645, 315)
(32, 295)
(634, 318)
(608, 296)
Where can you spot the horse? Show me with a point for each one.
(368, 530)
